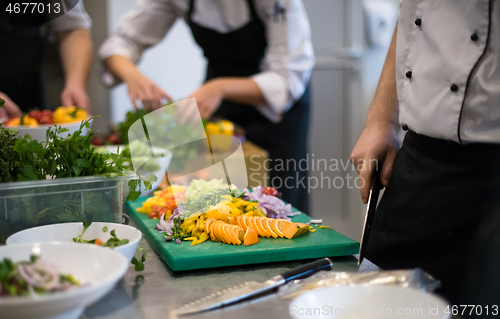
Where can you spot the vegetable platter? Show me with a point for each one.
(209, 225)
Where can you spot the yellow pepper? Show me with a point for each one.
(68, 114)
(203, 237)
(24, 120)
(220, 128)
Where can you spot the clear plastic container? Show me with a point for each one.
(34, 203)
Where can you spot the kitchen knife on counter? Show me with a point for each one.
(370, 214)
(250, 289)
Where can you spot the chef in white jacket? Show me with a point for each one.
(441, 82)
(260, 59)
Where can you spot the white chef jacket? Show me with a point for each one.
(448, 69)
(76, 18)
(289, 57)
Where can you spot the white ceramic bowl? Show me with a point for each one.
(368, 302)
(163, 163)
(39, 132)
(98, 267)
(65, 233)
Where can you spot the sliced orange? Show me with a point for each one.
(208, 222)
(293, 230)
(266, 223)
(229, 234)
(251, 237)
(211, 230)
(253, 224)
(234, 234)
(240, 233)
(214, 230)
(244, 222)
(277, 226)
(260, 228)
(238, 220)
(226, 232)
(219, 232)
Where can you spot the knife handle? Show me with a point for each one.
(307, 269)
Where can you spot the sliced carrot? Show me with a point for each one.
(251, 237)
(266, 223)
(98, 242)
(293, 230)
(277, 226)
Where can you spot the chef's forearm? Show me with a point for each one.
(385, 108)
(241, 90)
(76, 54)
(122, 68)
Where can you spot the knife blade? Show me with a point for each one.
(250, 289)
(370, 214)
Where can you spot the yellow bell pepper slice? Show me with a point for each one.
(68, 114)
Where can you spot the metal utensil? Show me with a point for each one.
(251, 289)
(370, 214)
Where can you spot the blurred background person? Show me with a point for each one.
(260, 59)
(21, 80)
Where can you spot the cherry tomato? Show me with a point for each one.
(46, 119)
(98, 140)
(114, 139)
(37, 115)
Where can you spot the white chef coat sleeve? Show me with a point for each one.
(289, 57)
(76, 18)
(141, 28)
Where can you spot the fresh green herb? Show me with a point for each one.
(69, 278)
(130, 118)
(114, 241)
(79, 239)
(105, 229)
(139, 259)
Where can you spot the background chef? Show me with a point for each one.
(260, 59)
(21, 82)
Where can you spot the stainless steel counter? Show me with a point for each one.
(156, 291)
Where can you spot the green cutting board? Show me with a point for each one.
(322, 243)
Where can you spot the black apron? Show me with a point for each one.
(21, 60)
(431, 213)
(239, 53)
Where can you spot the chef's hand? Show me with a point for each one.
(209, 97)
(11, 109)
(377, 144)
(143, 90)
(76, 95)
